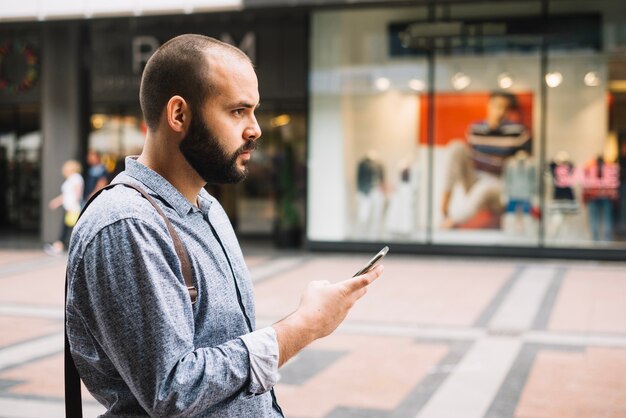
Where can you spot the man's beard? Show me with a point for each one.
(203, 151)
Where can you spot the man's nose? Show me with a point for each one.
(253, 132)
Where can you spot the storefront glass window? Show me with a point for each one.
(469, 124)
(271, 200)
(368, 170)
(586, 135)
(20, 167)
(487, 128)
(114, 136)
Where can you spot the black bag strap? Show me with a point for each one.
(73, 399)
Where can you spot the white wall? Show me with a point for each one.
(326, 184)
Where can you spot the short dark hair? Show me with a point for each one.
(511, 98)
(179, 67)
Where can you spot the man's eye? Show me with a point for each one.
(238, 112)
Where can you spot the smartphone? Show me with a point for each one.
(372, 263)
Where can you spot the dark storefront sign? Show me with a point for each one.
(278, 3)
(521, 34)
(124, 45)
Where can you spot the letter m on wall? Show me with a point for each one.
(247, 44)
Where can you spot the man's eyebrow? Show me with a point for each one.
(247, 105)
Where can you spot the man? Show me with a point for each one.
(140, 346)
(96, 177)
(475, 166)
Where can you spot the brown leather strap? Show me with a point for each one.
(181, 251)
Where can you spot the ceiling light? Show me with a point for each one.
(460, 81)
(592, 79)
(505, 80)
(382, 83)
(416, 84)
(280, 120)
(554, 79)
(617, 86)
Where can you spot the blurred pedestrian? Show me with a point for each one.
(70, 200)
(144, 342)
(96, 176)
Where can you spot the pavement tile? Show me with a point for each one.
(591, 383)
(18, 329)
(365, 377)
(8, 257)
(42, 286)
(255, 260)
(41, 378)
(591, 301)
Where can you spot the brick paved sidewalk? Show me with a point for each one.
(433, 338)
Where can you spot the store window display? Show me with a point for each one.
(475, 166)
(489, 152)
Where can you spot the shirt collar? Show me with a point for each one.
(164, 189)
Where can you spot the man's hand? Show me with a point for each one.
(323, 307)
(56, 202)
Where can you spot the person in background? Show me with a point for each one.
(70, 200)
(96, 176)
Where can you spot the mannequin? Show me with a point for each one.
(600, 191)
(564, 204)
(370, 196)
(520, 190)
(400, 217)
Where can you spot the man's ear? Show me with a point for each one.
(178, 114)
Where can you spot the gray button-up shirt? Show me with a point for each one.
(140, 346)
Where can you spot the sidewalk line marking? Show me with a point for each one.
(547, 305)
(421, 393)
(495, 303)
(576, 339)
(8, 309)
(506, 400)
(456, 334)
(30, 265)
(521, 305)
(27, 351)
(470, 389)
(275, 267)
(31, 408)
(422, 332)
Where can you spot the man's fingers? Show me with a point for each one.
(358, 282)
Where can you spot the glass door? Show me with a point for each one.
(486, 126)
(20, 167)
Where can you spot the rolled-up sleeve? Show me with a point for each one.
(263, 355)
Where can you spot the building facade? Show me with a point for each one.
(491, 127)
